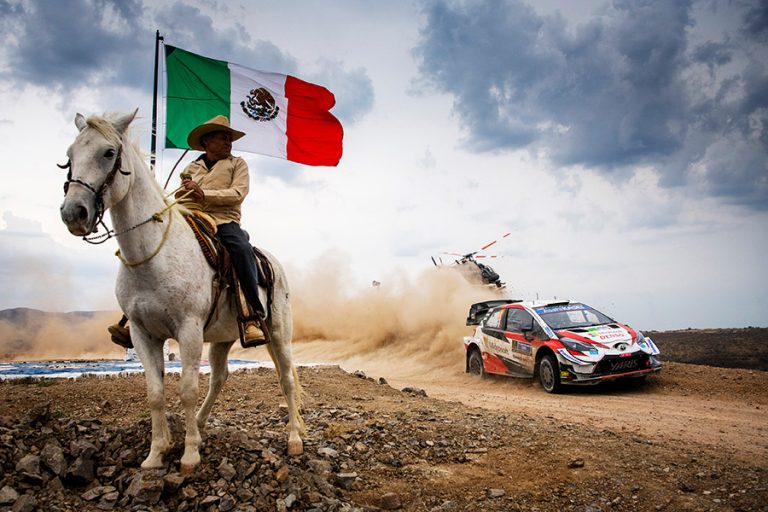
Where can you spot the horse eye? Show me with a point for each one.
(109, 153)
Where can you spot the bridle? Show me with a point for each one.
(99, 195)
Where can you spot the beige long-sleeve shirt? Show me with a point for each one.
(225, 187)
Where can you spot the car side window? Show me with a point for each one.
(494, 321)
(517, 318)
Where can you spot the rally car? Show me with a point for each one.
(560, 342)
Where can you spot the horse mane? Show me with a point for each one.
(103, 125)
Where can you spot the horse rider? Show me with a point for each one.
(218, 184)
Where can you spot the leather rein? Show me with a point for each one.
(99, 195)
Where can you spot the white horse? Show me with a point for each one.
(164, 282)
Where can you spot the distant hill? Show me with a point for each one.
(31, 334)
(727, 348)
(29, 315)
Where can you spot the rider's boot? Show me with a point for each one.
(120, 333)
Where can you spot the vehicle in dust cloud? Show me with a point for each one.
(558, 342)
(472, 270)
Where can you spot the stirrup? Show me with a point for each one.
(120, 335)
(261, 324)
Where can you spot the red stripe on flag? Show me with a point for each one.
(314, 134)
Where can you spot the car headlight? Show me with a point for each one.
(578, 346)
(642, 342)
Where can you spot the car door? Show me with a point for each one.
(495, 343)
(520, 330)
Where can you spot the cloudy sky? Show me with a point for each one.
(624, 144)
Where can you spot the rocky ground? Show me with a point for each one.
(77, 445)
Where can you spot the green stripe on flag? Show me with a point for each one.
(197, 90)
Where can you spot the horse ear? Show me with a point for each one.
(122, 122)
(80, 121)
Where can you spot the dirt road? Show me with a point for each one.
(712, 408)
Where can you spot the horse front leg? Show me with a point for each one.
(217, 357)
(150, 353)
(191, 347)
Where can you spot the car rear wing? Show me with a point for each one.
(477, 311)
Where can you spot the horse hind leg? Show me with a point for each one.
(280, 352)
(217, 357)
(150, 353)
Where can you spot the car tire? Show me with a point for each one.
(475, 364)
(549, 374)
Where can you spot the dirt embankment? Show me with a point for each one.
(693, 438)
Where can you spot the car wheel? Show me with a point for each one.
(549, 374)
(476, 363)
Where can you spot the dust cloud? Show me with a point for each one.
(405, 321)
(32, 335)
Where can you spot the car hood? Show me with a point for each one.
(611, 335)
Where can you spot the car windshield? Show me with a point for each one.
(572, 315)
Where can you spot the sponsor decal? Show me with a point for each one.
(607, 333)
(499, 347)
(625, 365)
(565, 307)
(524, 347)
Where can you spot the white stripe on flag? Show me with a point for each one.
(264, 137)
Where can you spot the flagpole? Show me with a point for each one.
(153, 138)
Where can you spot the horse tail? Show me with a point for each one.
(298, 391)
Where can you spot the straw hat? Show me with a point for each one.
(217, 124)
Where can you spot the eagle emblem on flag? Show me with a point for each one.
(260, 105)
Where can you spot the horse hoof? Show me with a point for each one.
(187, 469)
(295, 448)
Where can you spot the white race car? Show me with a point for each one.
(560, 342)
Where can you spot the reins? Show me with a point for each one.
(99, 195)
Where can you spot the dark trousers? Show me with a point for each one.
(243, 260)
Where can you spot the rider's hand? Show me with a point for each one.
(197, 195)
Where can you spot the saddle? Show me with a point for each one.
(204, 228)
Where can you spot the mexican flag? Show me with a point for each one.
(281, 115)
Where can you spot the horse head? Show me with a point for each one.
(96, 180)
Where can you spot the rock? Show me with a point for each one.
(345, 480)
(282, 473)
(227, 503)
(327, 452)
(29, 464)
(173, 481)
(360, 374)
(495, 493)
(576, 463)
(108, 500)
(106, 471)
(390, 501)
(92, 494)
(209, 500)
(146, 487)
(383, 381)
(8, 495)
(81, 471)
(53, 458)
(290, 500)
(227, 470)
(360, 447)
(25, 503)
(414, 391)
(82, 448)
(37, 414)
(320, 467)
